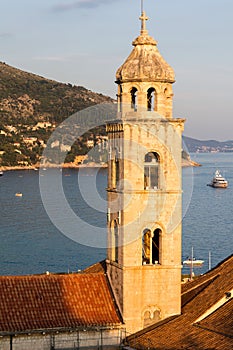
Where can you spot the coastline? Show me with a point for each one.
(53, 166)
(185, 163)
(189, 162)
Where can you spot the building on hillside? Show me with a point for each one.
(80, 159)
(30, 140)
(90, 143)
(17, 144)
(42, 125)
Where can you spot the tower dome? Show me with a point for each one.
(145, 62)
(145, 79)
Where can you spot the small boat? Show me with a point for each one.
(218, 181)
(1, 173)
(193, 262)
(18, 194)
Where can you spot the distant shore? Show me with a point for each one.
(53, 166)
(189, 162)
(185, 163)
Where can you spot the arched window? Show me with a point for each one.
(151, 100)
(134, 98)
(146, 247)
(156, 247)
(151, 171)
(151, 316)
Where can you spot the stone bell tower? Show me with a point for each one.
(144, 189)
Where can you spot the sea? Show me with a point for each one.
(33, 239)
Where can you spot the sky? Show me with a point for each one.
(83, 42)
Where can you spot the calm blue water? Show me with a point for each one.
(30, 243)
(208, 224)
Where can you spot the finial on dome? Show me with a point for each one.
(143, 19)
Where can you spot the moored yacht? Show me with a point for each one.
(218, 181)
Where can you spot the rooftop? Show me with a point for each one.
(206, 321)
(56, 301)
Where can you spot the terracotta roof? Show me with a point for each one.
(55, 301)
(214, 330)
(99, 267)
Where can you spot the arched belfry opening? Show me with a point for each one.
(151, 246)
(146, 246)
(151, 171)
(134, 92)
(151, 99)
(156, 246)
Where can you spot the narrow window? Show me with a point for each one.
(119, 99)
(167, 102)
(115, 168)
(134, 98)
(151, 171)
(116, 234)
(113, 172)
(156, 247)
(115, 240)
(151, 100)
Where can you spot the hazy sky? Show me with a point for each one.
(84, 42)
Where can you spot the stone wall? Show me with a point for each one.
(73, 340)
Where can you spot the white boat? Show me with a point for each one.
(18, 194)
(193, 262)
(1, 173)
(218, 181)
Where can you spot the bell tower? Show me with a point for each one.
(144, 189)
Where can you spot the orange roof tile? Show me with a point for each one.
(99, 267)
(55, 301)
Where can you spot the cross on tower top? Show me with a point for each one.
(143, 19)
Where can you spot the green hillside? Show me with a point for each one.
(28, 98)
(30, 109)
